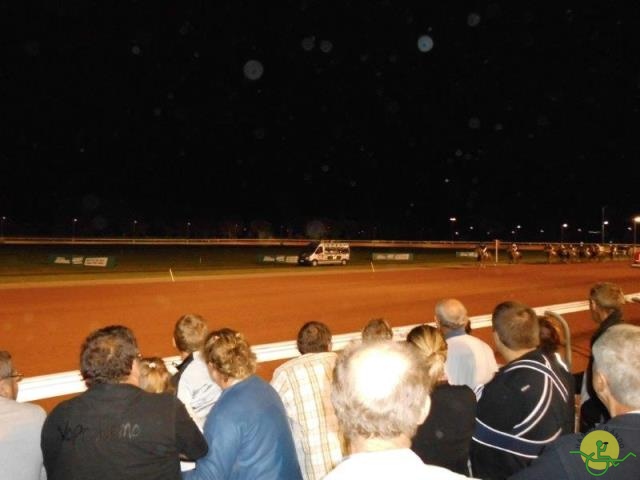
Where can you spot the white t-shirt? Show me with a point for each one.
(197, 390)
(399, 463)
(470, 361)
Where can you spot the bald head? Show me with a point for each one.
(451, 313)
(380, 390)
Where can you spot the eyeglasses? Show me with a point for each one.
(17, 376)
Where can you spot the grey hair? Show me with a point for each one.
(451, 313)
(379, 389)
(617, 356)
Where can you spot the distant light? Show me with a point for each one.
(473, 19)
(425, 43)
(326, 46)
(325, 168)
(498, 127)
(136, 50)
(308, 43)
(259, 133)
(474, 123)
(253, 70)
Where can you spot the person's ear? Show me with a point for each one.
(426, 408)
(134, 376)
(600, 385)
(5, 391)
(496, 339)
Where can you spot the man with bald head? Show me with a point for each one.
(380, 393)
(470, 361)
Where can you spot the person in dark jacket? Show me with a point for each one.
(605, 304)
(528, 404)
(115, 430)
(616, 380)
(445, 436)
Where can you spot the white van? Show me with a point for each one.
(325, 253)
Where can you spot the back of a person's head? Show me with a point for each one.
(451, 313)
(607, 296)
(7, 390)
(314, 337)
(154, 376)
(516, 325)
(6, 364)
(107, 355)
(230, 353)
(550, 336)
(432, 346)
(379, 389)
(189, 332)
(616, 356)
(377, 329)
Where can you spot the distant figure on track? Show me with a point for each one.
(482, 254)
(514, 253)
(550, 251)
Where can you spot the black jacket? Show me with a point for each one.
(119, 432)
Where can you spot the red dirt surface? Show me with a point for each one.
(44, 325)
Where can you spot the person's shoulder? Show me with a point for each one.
(308, 360)
(26, 410)
(461, 391)
(34, 410)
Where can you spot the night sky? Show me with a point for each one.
(366, 119)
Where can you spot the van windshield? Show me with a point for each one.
(311, 248)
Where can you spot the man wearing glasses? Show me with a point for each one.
(20, 426)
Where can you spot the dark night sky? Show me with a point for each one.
(273, 115)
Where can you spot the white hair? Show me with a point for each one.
(617, 356)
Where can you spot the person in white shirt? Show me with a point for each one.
(380, 392)
(194, 386)
(470, 361)
(20, 427)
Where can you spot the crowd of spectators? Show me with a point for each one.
(438, 405)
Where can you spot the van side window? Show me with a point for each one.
(319, 250)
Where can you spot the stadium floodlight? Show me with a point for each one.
(453, 227)
(563, 227)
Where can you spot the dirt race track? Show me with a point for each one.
(44, 325)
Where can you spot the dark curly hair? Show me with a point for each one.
(107, 355)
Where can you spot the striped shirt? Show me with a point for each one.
(527, 405)
(304, 384)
